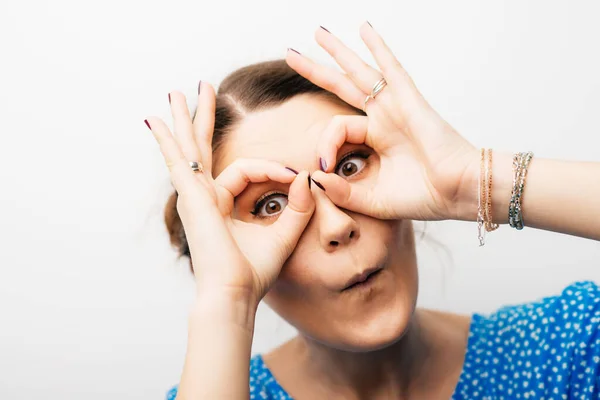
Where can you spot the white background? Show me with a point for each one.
(93, 303)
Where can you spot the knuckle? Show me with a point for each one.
(334, 86)
(174, 164)
(353, 72)
(337, 131)
(240, 163)
(192, 198)
(338, 121)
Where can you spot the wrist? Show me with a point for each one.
(467, 202)
(502, 184)
(231, 308)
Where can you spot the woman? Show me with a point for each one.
(302, 187)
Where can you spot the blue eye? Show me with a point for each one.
(270, 205)
(351, 164)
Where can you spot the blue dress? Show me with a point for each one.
(547, 349)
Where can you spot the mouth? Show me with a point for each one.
(362, 279)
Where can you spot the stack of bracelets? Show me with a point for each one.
(515, 209)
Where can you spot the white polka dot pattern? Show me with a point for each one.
(548, 349)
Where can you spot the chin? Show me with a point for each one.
(379, 331)
(376, 330)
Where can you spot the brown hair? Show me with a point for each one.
(250, 88)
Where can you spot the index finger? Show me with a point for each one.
(342, 129)
(236, 177)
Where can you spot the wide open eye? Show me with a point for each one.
(270, 205)
(351, 164)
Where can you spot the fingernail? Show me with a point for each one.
(295, 51)
(147, 124)
(293, 170)
(369, 24)
(325, 29)
(323, 164)
(309, 181)
(199, 86)
(318, 185)
(169, 98)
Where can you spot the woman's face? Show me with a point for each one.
(311, 292)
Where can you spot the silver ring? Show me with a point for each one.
(196, 166)
(378, 87)
(369, 97)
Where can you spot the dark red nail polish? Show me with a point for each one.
(293, 170)
(318, 185)
(147, 124)
(295, 51)
(199, 86)
(323, 164)
(169, 98)
(325, 29)
(309, 181)
(369, 24)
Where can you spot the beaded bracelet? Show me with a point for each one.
(515, 210)
(484, 214)
(484, 210)
(489, 225)
(480, 216)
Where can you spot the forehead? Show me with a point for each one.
(287, 133)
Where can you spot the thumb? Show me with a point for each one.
(293, 219)
(353, 197)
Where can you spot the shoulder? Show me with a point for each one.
(549, 346)
(262, 383)
(575, 310)
(563, 318)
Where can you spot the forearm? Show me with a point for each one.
(217, 361)
(559, 196)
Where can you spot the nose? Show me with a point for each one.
(336, 228)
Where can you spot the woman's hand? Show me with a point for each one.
(426, 167)
(228, 255)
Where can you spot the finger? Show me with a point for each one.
(236, 177)
(342, 129)
(326, 77)
(293, 219)
(363, 75)
(353, 197)
(204, 122)
(390, 67)
(182, 124)
(184, 179)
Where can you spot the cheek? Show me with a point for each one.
(295, 297)
(300, 295)
(298, 278)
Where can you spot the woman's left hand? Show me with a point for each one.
(427, 169)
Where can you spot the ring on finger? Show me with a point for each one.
(378, 87)
(196, 166)
(369, 97)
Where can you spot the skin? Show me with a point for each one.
(374, 339)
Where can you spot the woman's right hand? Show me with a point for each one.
(228, 255)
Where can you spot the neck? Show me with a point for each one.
(425, 363)
(391, 372)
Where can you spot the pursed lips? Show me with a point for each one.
(361, 277)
